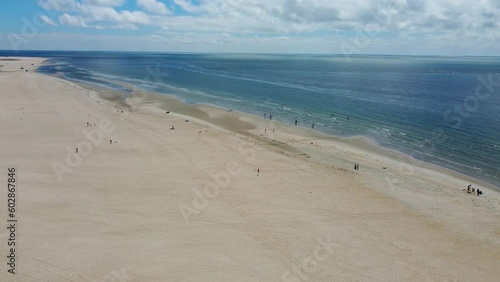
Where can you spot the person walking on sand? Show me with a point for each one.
(258, 171)
(312, 125)
(295, 122)
(76, 150)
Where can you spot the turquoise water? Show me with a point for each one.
(401, 102)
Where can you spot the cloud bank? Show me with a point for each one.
(445, 24)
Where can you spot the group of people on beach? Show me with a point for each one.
(270, 116)
(472, 190)
(296, 121)
(356, 166)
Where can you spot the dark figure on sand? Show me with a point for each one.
(295, 122)
(472, 190)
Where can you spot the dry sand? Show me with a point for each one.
(147, 208)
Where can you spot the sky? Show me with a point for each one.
(410, 27)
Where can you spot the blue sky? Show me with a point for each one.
(415, 27)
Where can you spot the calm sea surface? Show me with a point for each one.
(398, 101)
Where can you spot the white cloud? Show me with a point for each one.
(46, 20)
(104, 3)
(153, 6)
(66, 19)
(187, 6)
(59, 5)
(99, 14)
(289, 16)
(107, 14)
(135, 17)
(399, 21)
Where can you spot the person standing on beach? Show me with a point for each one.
(312, 125)
(258, 171)
(295, 122)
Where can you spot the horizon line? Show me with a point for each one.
(246, 53)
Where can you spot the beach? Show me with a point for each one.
(221, 197)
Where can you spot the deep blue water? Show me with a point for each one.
(398, 101)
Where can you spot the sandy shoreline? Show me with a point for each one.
(187, 204)
(257, 127)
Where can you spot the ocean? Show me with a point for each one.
(442, 110)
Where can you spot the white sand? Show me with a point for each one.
(117, 216)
